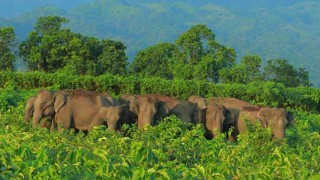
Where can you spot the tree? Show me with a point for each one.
(82, 54)
(7, 39)
(200, 49)
(303, 76)
(280, 70)
(49, 48)
(155, 61)
(49, 25)
(43, 48)
(252, 66)
(113, 58)
(195, 43)
(235, 74)
(220, 57)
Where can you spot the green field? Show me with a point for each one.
(171, 150)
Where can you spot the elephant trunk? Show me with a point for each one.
(216, 128)
(112, 127)
(279, 133)
(36, 118)
(28, 116)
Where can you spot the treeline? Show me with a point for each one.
(263, 93)
(195, 55)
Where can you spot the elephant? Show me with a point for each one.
(202, 106)
(184, 110)
(113, 117)
(148, 110)
(71, 108)
(218, 119)
(28, 114)
(246, 113)
(275, 118)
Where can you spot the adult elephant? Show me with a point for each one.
(113, 117)
(218, 119)
(148, 110)
(184, 110)
(278, 119)
(71, 108)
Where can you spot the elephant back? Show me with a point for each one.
(231, 102)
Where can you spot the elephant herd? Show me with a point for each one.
(83, 109)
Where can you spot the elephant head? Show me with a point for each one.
(201, 105)
(110, 116)
(218, 119)
(147, 109)
(186, 111)
(46, 104)
(29, 108)
(276, 118)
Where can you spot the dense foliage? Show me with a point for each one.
(50, 48)
(195, 63)
(171, 150)
(195, 55)
(7, 40)
(272, 29)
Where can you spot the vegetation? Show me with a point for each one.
(170, 150)
(196, 55)
(270, 29)
(7, 40)
(194, 64)
(50, 48)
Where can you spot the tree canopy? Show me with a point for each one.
(7, 40)
(50, 47)
(195, 55)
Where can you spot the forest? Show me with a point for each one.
(195, 55)
(195, 63)
(270, 29)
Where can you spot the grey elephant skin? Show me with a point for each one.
(215, 117)
(148, 110)
(278, 119)
(113, 117)
(28, 114)
(69, 108)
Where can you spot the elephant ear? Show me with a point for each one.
(201, 103)
(134, 107)
(229, 117)
(59, 101)
(162, 109)
(262, 117)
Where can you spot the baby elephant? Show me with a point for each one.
(113, 117)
